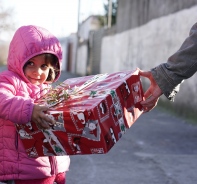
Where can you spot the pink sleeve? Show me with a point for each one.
(17, 109)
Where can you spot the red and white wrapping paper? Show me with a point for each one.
(98, 112)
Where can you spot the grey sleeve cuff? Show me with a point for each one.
(166, 84)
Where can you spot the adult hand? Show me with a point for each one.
(152, 94)
(40, 118)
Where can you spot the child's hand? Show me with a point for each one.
(40, 118)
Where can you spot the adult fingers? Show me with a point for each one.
(147, 94)
(149, 104)
(149, 101)
(146, 74)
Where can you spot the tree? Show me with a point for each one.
(6, 27)
(113, 11)
(6, 23)
(3, 53)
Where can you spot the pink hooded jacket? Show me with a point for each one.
(17, 95)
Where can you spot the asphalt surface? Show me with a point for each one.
(159, 148)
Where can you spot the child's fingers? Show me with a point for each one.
(45, 125)
(48, 119)
(44, 108)
(41, 118)
(41, 124)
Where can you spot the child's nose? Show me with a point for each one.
(38, 71)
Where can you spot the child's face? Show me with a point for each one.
(37, 70)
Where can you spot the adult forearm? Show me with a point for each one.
(180, 66)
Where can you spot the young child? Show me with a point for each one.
(34, 61)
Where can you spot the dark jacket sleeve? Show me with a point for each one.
(181, 65)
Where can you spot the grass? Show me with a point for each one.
(179, 110)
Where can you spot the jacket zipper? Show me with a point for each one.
(16, 143)
(52, 159)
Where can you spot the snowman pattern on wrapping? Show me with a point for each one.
(92, 130)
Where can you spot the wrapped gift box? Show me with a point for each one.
(91, 112)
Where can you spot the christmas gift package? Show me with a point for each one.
(91, 113)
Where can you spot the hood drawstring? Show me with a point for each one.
(53, 163)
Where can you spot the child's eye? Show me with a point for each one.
(30, 63)
(44, 66)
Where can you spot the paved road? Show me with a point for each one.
(2, 68)
(158, 149)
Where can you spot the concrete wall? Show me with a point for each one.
(94, 51)
(73, 41)
(64, 43)
(91, 23)
(146, 34)
(82, 57)
(134, 13)
(69, 53)
(149, 45)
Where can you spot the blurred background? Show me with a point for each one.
(104, 36)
